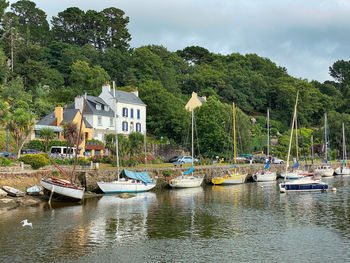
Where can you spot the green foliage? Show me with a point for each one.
(47, 135)
(36, 145)
(5, 162)
(136, 142)
(57, 143)
(94, 142)
(167, 173)
(35, 160)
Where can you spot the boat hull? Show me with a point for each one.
(186, 182)
(124, 187)
(228, 180)
(302, 185)
(342, 171)
(68, 191)
(34, 190)
(265, 177)
(13, 192)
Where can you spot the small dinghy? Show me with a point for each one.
(34, 190)
(13, 191)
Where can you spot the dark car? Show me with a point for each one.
(259, 159)
(29, 151)
(174, 159)
(8, 155)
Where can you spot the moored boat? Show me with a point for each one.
(62, 188)
(34, 190)
(324, 171)
(305, 184)
(13, 191)
(128, 182)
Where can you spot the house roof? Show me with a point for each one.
(47, 120)
(127, 97)
(68, 115)
(202, 100)
(90, 107)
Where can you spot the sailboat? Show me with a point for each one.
(266, 175)
(305, 183)
(343, 169)
(296, 172)
(325, 170)
(127, 181)
(231, 175)
(187, 180)
(61, 188)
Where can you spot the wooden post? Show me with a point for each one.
(53, 189)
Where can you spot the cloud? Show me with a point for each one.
(306, 37)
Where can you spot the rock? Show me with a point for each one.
(2, 193)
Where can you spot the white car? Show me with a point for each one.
(186, 159)
(278, 161)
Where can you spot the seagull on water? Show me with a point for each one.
(26, 223)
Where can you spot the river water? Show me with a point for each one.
(252, 222)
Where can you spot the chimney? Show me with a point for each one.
(79, 103)
(194, 94)
(204, 98)
(59, 114)
(136, 92)
(106, 88)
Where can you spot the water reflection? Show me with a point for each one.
(243, 221)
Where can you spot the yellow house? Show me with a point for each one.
(195, 101)
(56, 121)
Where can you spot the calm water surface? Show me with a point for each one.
(243, 223)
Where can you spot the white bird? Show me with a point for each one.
(26, 223)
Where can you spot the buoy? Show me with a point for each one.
(283, 190)
(261, 186)
(334, 189)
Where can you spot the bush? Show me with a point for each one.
(56, 143)
(36, 145)
(167, 173)
(36, 161)
(5, 162)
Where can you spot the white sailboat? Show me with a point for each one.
(231, 175)
(187, 180)
(300, 184)
(343, 169)
(266, 175)
(325, 170)
(127, 181)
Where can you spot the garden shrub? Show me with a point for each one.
(36, 145)
(5, 162)
(36, 161)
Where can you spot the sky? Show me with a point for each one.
(304, 36)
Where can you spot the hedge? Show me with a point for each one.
(36, 161)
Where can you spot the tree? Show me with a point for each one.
(47, 135)
(20, 125)
(136, 142)
(32, 23)
(3, 112)
(70, 134)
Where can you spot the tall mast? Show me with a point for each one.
(115, 128)
(192, 141)
(296, 136)
(344, 146)
(291, 132)
(312, 148)
(268, 133)
(234, 132)
(325, 136)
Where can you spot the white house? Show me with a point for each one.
(131, 111)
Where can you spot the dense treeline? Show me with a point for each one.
(41, 67)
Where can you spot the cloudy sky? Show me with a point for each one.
(305, 36)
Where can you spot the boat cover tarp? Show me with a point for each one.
(189, 171)
(142, 176)
(267, 165)
(296, 165)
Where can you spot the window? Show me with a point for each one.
(138, 127)
(111, 122)
(99, 120)
(131, 126)
(125, 112)
(131, 113)
(138, 114)
(98, 106)
(125, 126)
(106, 108)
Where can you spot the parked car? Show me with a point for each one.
(186, 159)
(259, 159)
(29, 151)
(174, 158)
(278, 161)
(8, 155)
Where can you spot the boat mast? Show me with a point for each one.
(234, 134)
(268, 133)
(78, 139)
(296, 136)
(312, 148)
(291, 134)
(115, 128)
(344, 145)
(325, 136)
(192, 141)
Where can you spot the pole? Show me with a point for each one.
(312, 148)
(115, 127)
(268, 133)
(325, 136)
(192, 142)
(7, 140)
(145, 142)
(234, 135)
